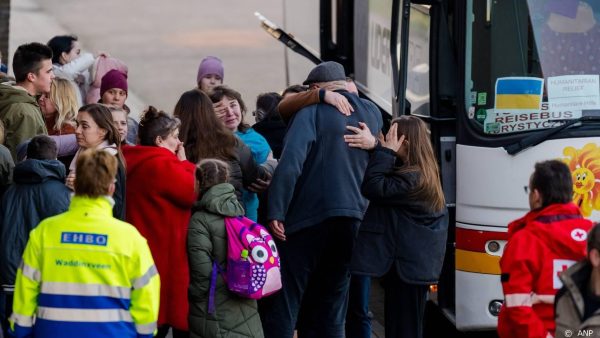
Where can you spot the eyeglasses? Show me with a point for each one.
(526, 188)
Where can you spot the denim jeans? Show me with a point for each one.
(358, 320)
(314, 264)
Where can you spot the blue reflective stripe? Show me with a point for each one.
(20, 331)
(49, 328)
(82, 302)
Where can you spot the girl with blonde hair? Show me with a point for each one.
(403, 234)
(59, 107)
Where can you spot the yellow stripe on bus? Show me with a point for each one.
(479, 262)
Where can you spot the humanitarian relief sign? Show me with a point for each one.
(574, 92)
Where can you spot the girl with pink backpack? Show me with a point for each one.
(233, 261)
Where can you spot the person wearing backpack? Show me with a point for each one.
(232, 315)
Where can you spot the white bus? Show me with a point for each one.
(503, 84)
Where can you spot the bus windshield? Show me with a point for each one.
(531, 64)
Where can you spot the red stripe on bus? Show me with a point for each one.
(474, 240)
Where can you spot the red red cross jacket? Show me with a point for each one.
(540, 245)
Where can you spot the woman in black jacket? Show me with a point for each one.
(403, 234)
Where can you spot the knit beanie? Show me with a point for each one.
(113, 79)
(210, 65)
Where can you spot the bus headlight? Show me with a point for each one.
(495, 307)
(493, 246)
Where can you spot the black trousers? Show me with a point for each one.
(404, 306)
(315, 275)
(163, 331)
(6, 302)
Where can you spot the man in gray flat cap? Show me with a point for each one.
(314, 208)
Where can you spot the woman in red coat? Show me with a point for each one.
(160, 192)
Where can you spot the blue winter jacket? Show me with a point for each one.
(319, 176)
(38, 192)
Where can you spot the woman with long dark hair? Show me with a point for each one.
(70, 63)
(403, 234)
(205, 136)
(95, 130)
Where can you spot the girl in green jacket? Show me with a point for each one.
(207, 242)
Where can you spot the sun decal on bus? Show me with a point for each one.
(584, 164)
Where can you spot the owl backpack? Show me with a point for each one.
(252, 261)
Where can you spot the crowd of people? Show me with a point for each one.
(110, 227)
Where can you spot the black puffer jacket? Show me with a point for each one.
(398, 229)
(39, 192)
(244, 170)
(273, 130)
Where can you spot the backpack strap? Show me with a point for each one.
(216, 269)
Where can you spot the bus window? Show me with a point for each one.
(531, 64)
(569, 34)
(372, 60)
(417, 81)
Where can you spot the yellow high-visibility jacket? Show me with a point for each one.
(86, 274)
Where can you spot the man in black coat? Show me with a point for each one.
(315, 207)
(38, 192)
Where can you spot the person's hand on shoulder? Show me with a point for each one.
(362, 137)
(339, 101)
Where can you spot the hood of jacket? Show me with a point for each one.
(12, 94)
(560, 226)
(38, 171)
(575, 279)
(136, 157)
(220, 199)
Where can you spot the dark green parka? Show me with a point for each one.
(235, 317)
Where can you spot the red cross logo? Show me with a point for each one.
(579, 235)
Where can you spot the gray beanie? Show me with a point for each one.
(326, 72)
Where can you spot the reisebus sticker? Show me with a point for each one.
(503, 121)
